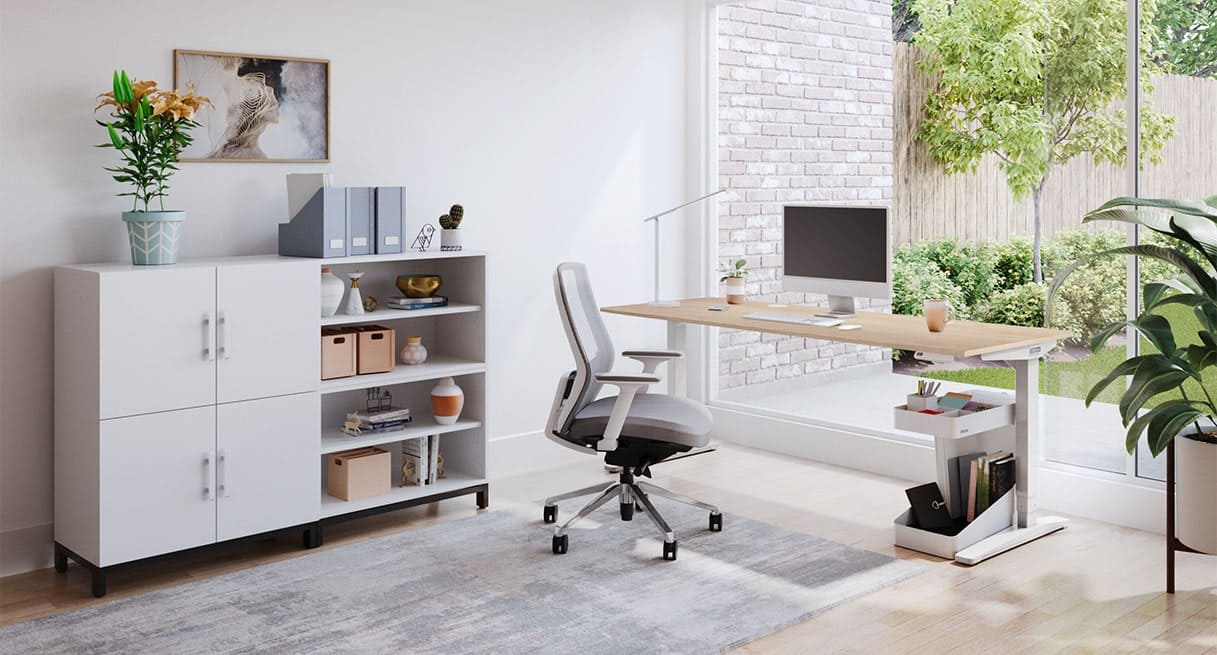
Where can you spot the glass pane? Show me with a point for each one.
(1178, 134)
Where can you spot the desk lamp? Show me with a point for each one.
(669, 303)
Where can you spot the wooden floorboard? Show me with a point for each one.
(1092, 588)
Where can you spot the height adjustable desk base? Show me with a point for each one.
(1009, 540)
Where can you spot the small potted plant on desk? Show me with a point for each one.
(149, 127)
(733, 276)
(1175, 376)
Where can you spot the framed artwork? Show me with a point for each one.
(267, 109)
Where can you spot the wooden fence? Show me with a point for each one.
(927, 203)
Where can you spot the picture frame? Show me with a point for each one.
(266, 108)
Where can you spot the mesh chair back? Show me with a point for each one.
(589, 341)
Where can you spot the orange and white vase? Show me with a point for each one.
(447, 400)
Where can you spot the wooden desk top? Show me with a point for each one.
(960, 338)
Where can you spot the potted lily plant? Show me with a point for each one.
(1172, 390)
(734, 276)
(149, 127)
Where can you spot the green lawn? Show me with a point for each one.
(1075, 379)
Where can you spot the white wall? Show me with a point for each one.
(557, 124)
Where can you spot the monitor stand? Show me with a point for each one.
(839, 307)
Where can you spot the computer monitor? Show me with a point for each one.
(844, 252)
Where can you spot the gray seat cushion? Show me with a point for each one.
(654, 416)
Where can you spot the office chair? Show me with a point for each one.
(634, 429)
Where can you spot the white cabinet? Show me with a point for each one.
(266, 324)
(157, 483)
(267, 464)
(155, 330)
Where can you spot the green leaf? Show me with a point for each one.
(1192, 207)
(1156, 374)
(1162, 418)
(1127, 367)
(115, 140)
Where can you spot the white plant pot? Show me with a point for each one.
(735, 290)
(332, 290)
(1196, 494)
(450, 239)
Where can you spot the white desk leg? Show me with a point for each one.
(1027, 455)
(678, 369)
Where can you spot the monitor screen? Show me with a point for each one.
(838, 243)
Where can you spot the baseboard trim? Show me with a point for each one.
(1136, 504)
(526, 452)
(26, 549)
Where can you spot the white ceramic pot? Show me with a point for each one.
(1196, 493)
(332, 289)
(354, 305)
(413, 353)
(735, 290)
(450, 239)
(447, 401)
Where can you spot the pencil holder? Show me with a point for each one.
(917, 403)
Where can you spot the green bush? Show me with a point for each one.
(1095, 295)
(1022, 305)
(970, 267)
(1013, 263)
(916, 280)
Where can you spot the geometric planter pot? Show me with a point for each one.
(1191, 500)
(154, 236)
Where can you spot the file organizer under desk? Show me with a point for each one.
(957, 434)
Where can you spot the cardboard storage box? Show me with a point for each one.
(338, 353)
(359, 473)
(377, 349)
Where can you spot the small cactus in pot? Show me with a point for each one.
(450, 238)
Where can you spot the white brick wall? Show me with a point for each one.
(805, 115)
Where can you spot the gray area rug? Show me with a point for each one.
(489, 584)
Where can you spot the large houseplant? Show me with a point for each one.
(149, 127)
(1172, 390)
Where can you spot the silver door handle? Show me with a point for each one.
(223, 483)
(209, 489)
(209, 338)
(225, 338)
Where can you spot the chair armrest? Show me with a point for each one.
(629, 385)
(651, 359)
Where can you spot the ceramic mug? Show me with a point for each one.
(937, 314)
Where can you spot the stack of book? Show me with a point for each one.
(402, 302)
(421, 457)
(393, 418)
(979, 480)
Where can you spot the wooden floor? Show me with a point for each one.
(1091, 588)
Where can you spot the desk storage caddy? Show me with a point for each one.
(956, 433)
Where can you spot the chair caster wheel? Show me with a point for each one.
(716, 523)
(551, 514)
(669, 551)
(627, 511)
(560, 545)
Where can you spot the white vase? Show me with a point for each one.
(354, 304)
(735, 290)
(331, 293)
(1195, 491)
(450, 239)
(447, 401)
(414, 352)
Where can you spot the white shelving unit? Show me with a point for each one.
(202, 417)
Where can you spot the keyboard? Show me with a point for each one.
(790, 318)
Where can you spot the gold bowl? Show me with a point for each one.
(419, 286)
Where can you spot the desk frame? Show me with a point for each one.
(1024, 359)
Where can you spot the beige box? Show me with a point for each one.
(377, 349)
(338, 353)
(359, 473)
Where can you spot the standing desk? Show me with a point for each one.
(1019, 347)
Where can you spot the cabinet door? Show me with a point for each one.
(154, 340)
(157, 490)
(269, 466)
(269, 329)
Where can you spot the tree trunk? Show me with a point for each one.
(1037, 274)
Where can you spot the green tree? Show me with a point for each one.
(1034, 82)
(1187, 32)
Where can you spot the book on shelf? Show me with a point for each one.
(1001, 477)
(958, 469)
(990, 476)
(970, 510)
(401, 302)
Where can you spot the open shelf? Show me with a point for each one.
(331, 506)
(335, 440)
(386, 314)
(436, 366)
(409, 255)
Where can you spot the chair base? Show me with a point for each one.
(631, 495)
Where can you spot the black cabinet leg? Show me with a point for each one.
(312, 536)
(99, 583)
(61, 559)
(484, 497)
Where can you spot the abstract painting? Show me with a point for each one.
(267, 109)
